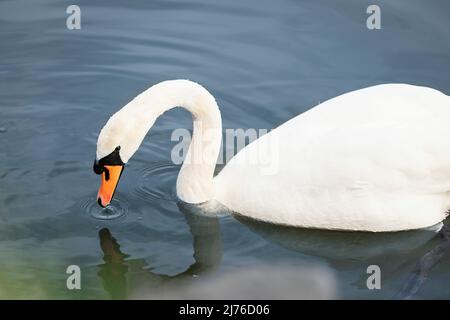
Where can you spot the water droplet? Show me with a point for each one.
(3, 130)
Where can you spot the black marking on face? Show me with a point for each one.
(112, 159)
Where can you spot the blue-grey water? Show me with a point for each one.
(265, 62)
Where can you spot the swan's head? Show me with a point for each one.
(124, 132)
(117, 142)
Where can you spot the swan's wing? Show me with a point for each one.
(389, 171)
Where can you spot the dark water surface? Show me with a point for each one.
(265, 62)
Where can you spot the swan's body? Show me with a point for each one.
(376, 159)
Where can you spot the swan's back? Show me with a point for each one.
(375, 159)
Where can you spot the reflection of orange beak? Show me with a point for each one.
(110, 179)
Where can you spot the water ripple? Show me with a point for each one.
(157, 182)
(117, 209)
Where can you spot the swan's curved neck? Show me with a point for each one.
(195, 180)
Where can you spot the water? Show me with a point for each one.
(265, 63)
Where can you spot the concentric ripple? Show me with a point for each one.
(157, 182)
(118, 208)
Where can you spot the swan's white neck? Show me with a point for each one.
(128, 127)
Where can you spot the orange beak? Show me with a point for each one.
(110, 179)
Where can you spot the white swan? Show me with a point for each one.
(375, 159)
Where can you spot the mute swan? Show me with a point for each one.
(375, 159)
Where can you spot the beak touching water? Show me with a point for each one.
(110, 178)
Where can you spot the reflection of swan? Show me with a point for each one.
(120, 274)
(132, 278)
(424, 266)
(342, 245)
(376, 159)
(394, 252)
